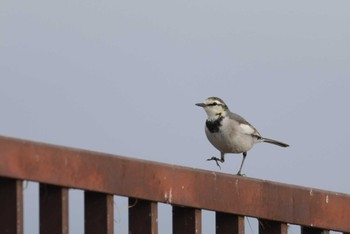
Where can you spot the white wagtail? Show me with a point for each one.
(229, 132)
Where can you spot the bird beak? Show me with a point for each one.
(200, 104)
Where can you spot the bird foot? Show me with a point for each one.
(240, 174)
(216, 160)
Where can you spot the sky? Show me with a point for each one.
(122, 77)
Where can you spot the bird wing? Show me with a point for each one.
(246, 127)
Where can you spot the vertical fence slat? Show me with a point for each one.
(99, 216)
(311, 230)
(11, 203)
(143, 217)
(272, 227)
(187, 220)
(53, 209)
(229, 223)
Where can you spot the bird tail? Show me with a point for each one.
(274, 142)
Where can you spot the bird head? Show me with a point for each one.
(215, 107)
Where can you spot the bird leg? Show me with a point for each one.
(240, 168)
(222, 159)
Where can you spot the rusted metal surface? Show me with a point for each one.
(53, 209)
(143, 217)
(11, 206)
(98, 212)
(187, 220)
(174, 185)
(272, 227)
(229, 223)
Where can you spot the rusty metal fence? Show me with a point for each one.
(145, 183)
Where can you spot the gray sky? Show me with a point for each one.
(122, 77)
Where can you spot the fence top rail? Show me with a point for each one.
(74, 168)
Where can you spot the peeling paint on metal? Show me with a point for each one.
(168, 196)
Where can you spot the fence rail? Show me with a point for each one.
(148, 183)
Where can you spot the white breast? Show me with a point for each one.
(233, 137)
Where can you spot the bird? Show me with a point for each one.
(229, 132)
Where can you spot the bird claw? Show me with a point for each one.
(240, 174)
(216, 160)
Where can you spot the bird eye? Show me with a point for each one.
(213, 104)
